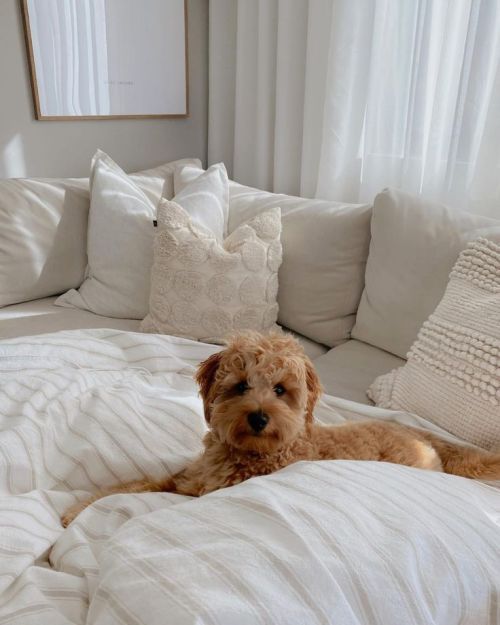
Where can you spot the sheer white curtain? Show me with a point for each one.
(340, 98)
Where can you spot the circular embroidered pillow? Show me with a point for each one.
(202, 289)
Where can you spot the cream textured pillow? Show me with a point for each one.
(452, 376)
(202, 289)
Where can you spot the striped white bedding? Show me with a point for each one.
(328, 542)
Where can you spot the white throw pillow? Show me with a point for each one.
(44, 230)
(452, 376)
(120, 238)
(325, 246)
(205, 195)
(202, 289)
(119, 245)
(414, 244)
(184, 174)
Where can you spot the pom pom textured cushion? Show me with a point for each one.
(203, 289)
(452, 376)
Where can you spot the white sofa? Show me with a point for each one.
(356, 282)
(323, 542)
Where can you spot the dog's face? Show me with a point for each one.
(259, 392)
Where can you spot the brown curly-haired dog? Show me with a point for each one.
(259, 394)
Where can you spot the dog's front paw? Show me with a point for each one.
(71, 513)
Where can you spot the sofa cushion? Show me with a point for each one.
(42, 316)
(312, 349)
(414, 243)
(325, 245)
(44, 230)
(452, 377)
(348, 370)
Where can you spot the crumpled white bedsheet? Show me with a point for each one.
(325, 542)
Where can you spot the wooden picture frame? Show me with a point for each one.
(40, 114)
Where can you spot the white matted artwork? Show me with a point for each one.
(92, 59)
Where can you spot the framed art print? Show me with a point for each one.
(100, 59)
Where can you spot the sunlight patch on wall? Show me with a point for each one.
(14, 164)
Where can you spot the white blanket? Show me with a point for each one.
(326, 542)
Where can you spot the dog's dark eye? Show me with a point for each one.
(241, 387)
(279, 389)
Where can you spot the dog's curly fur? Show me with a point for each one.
(258, 395)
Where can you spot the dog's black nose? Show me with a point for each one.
(257, 420)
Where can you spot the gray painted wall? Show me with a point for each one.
(45, 148)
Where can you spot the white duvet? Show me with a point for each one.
(327, 542)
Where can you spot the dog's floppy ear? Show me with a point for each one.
(205, 376)
(314, 390)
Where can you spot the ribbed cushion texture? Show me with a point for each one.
(452, 376)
